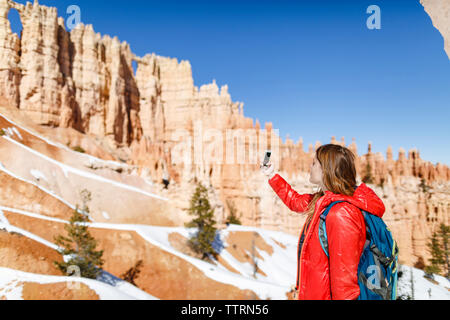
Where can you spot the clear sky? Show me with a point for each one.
(312, 68)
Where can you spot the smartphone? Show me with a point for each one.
(267, 157)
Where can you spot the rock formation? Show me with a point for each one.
(10, 72)
(76, 79)
(439, 12)
(158, 121)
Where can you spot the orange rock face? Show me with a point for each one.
(24, 254)
(439, 12)
(57, 291)
(163, 275)
(81, 86)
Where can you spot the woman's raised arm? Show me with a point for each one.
(294, 201)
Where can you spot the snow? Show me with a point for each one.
(66, 168)
(9, 286)
(124, 290)
(11, 131)
(115, 289)
(159, 236)
(17, 133)
(3, 219)
(423, 289)
(32, 215)
(125, 287)
(27, 234)
(58, 145)
(38, 175)
(50, 192)
(280, 267)
(443, 281)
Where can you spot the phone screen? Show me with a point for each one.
(267, 157)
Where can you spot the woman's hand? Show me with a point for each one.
(268, 170)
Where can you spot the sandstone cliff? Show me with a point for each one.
(165, 127)
(439, 12)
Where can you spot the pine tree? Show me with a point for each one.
(232, 217)
(423, 186)
(204, 221)
(79, 245)
(437, 254)
(254, 258)
(368, 178)
(132, 274)
(444, 231)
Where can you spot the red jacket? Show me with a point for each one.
(320, 278)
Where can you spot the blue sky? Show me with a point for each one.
(312, 68)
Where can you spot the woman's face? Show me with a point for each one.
(315, 172)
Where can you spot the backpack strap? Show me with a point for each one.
(322, 227)
(323, 238)
(381, 257)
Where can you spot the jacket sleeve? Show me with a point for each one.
(346, 237)
(294, 201)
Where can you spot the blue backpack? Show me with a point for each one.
(377, 268)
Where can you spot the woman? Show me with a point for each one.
(320, 277)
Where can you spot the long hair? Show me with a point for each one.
(338, 173)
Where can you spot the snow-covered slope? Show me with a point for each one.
(64, 173)
(278, 267)
(251, 260)
(421, 287)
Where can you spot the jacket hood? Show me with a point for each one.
(363, 197)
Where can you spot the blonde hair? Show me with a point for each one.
(338, 173)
